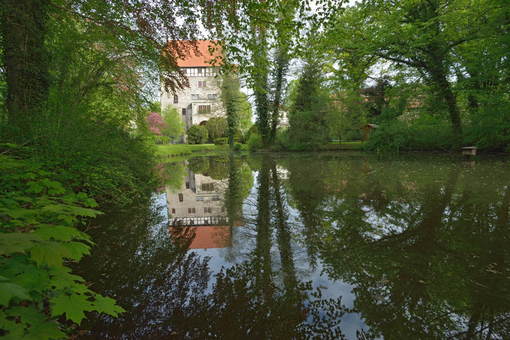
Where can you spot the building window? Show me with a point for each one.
(191, 222)
(211, 96)
(195, 96)
(204, 108)
(193, 210)
(173, 210)
(200, 198)
(181, 197)
(199, 71)
(185, 70)
(176, 99)
(202, 84)
(207, 210)
(207, 186)
(187, 185)
(184, 112)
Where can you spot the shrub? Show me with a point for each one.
(253, 129)
(282, 140)
(255, 142)
(221, 141)
(238, 137)
(216, 127)
(424, 133)
(197, 134)
(237, 147)
(38, 236)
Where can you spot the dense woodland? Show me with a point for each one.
(79, 122)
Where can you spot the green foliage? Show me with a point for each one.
(307, 115)
(253, 129)
(451, 54)
(238, 147)
(197, 134)
(238, 137)
(234, 103)
(221, 141)
(175, 125)
(216, 128)
(254, 142)
(424, 133)
(282, 140)
(38, 219)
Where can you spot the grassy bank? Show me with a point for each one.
(186, 149)
(345, 146)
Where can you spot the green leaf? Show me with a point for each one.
(107, 305)
(44, 331)
(15, 330)
(79, 211)
(51, 252)
(20, 212)
(72, 306)
(62, 279)
(77, 250)
(8, 290)
(90, 202)
(61, 233)
(30, 315)
(17, 242)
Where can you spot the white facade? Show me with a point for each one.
(201, 100)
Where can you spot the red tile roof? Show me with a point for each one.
(203, 60)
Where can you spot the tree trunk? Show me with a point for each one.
(24, 33)
(445, 93)
(281, 67)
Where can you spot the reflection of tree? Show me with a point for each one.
(247, 300)
(306, 182)
(423, 255)
(150, 275)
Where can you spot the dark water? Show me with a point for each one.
(310, 246)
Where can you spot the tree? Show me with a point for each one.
(216, 127)
(234, 102)
(173, 120)
(423, 36)
(307, 115)
(197, 134)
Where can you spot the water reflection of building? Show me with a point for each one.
(200, 203)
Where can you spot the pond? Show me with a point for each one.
(325, 246)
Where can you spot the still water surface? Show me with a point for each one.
(310, 246)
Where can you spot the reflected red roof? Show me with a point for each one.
(210, 237)
(203, 60)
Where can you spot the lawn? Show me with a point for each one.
(186, 149)
(345, 146)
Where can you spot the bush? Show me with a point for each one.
(252, 130)
(197, 134)
(216, 127)
(39, 237)
(282, 140)
(237, 147)
(221, 141)
(424, 133)
(255, 142)
(238, 137)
